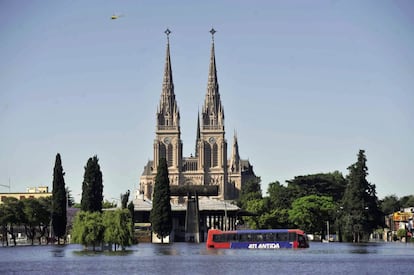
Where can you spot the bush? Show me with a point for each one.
(401, 233)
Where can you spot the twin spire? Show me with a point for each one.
(212, 115)
(212, 111)
(212, 75)
(168, 79)
(212, 72)
(168, 114)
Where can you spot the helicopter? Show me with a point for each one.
(116, 16)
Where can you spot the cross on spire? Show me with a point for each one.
(212, 31)
(167, 32)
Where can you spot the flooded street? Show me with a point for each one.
(183, 258)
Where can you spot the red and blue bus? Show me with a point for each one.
(257, 239)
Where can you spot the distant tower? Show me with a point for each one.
(212, 145)
(167, 141)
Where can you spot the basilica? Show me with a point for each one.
(210, 164)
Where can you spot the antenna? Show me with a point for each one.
(8, 186)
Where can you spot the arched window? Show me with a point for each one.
(215, 155)
(169, 155)
(207, 155)
(162, 153)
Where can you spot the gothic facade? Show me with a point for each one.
(210, 164)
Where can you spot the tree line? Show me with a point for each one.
(349, 204)
(33, 215)
(47, 217)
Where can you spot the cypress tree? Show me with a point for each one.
(361, 212)
(92, 187)
(59, 218)
(161, 215)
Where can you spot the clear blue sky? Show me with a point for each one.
(305, 84)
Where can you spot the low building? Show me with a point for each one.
(402, 219)
(213, 213)
(31, 192)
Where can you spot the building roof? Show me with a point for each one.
(204, 204)
(148, 169)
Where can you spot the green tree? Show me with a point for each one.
(124, 199)
(70, 198)
(111, 231)
(258, 207)
(107, 204)
(34, 217)
(131, 212)
(390, 204)
(407, 201)
(278, 218)
(88, 229)
(59, 202)
(3, 224)
(360, 213)
(118, 228)
(46, 213)
(92, 187)
(322, 184)
(280, 196)
(401, 233)
(310, 213)
(13, 216)
(161, 215)
(251, 190)
(264, 216)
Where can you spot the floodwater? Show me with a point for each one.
(184, 258)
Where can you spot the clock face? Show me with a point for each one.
(167, 140)
(212, 140)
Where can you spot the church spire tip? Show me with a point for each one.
(212, 31)
(167, 32)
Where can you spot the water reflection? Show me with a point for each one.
(363, 249)
(166, 250)
(211, 251)
(58, 251)
(182, 258)
(105, 253)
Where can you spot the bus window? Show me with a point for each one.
(259, 237)
(282, 237)
(302, 241)
(292, 236)
(245, 237)
(268, 237)
(218, 238)
(231, 237)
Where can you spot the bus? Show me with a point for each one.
(257, 239)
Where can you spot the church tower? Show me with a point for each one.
(167, 142)
(211, 143)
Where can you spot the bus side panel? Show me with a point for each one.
(222, 245)
(261, 245)
(213, 244)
